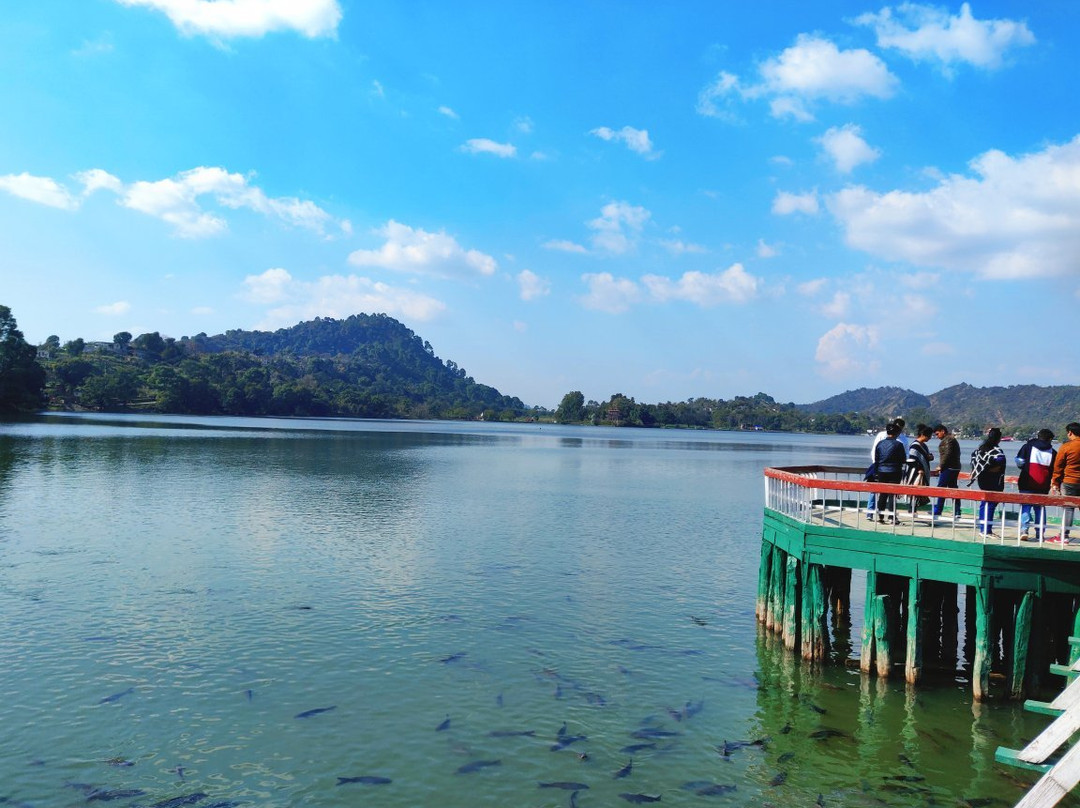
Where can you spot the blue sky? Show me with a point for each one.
(664, 200)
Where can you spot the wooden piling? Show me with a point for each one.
(914, 661)
(791, 603)
(763, 581)
(1021, 641)
(866, 653)
(882, 649)
(984, 612)
(816, 596)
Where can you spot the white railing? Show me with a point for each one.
(838, 496)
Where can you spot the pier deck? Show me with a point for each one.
(1020, 598)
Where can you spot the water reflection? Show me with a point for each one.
(858, 739)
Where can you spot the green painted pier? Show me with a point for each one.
(942, 594)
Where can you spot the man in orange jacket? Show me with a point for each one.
(1066, 477)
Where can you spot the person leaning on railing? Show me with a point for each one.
(1066, 478)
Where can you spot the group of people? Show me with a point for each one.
(898, 458)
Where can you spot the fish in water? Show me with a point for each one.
(444, 725)
(250, 694)
(699, 621)
(784, 730)
(120, 762)
(315, 711)
(366, 779)
(564, 785)
(512, 733)
(652, 732)
(779, 779)
(625, 770)
(826, 733)
(453, 657)
(499, 700)
(905, 760)
(477, 765)
(116, 794)
(176, 802)
(116, 696)
(637, 747)
(566, 740)
(905, 778)
(638, 798)
(784, 758)
(727, 747)
(715, 789)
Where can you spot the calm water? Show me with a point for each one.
(181, 595)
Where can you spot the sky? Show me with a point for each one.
(665, 200)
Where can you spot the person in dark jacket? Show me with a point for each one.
(889, 457)
(948, 467)
(1036, 463)
(988, 470)
(917, 467)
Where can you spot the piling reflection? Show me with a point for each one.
(847, 738)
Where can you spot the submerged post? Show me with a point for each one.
(866, 654)
(980, 666)
(914, 662)
(1018, 675)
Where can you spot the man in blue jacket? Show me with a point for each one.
(1036, 463)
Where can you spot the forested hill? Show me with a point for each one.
(367, 365)
(1020, 409)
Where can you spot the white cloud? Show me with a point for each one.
(482, 145)
(917, 307)
(531, 285)
(766, 250)
(786, 203)
(417, 251)
(811, 288)
(202, 311)
(610, 294)
(680, 247)
(176, 201)
(1012, 217)
(333, 296)
(114, 309)
(838, 307)
(449, 113)
(930, 33)
(254, 18)
(563, 245)
(846, 148)
(920, 280)
(813, 69)
(43, 190)
(724, 88)
(269, 287)
(97, 179)
(733, 285)
(524, 124)
(618, 227)
(848, 350)
(637, 140)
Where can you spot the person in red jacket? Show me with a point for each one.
(1066, 477)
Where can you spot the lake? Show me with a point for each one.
(335, 612)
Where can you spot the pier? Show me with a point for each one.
(938, 592)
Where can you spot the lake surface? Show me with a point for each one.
(251, 609)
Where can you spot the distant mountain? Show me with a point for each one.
(883, 401)
(1021, 409)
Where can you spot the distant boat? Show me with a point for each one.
(1008, 437)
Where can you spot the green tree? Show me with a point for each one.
(22, 379)
(75, 347)
(122, 340)
(572, 408)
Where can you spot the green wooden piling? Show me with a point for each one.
(1021, 641)
(818, 606)
(776, 590)
(1074, 651)
(806, 627)
(914, 661)
(791, 603)
(866, 654)
(882, 649)
(763, 581)
(984, 613)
